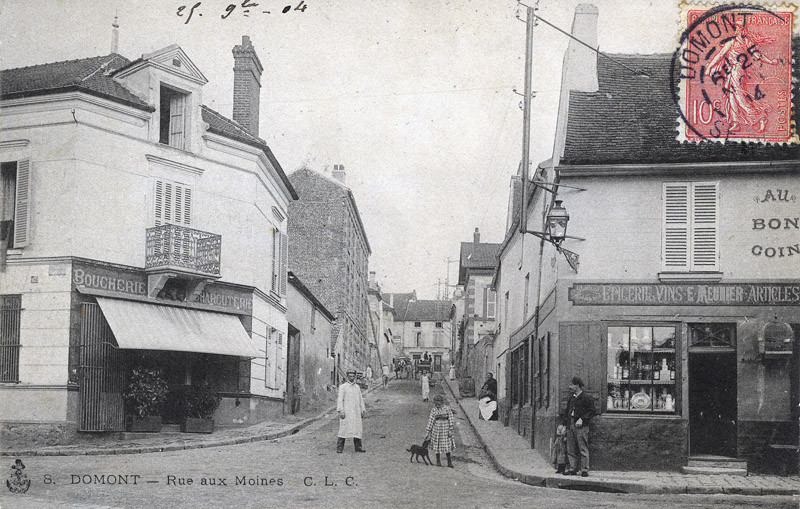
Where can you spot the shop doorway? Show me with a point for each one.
(712, 390)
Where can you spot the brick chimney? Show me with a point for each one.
(476, 237)
(247, 70)
(338, 172)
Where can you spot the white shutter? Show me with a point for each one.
(705, 228)
(173, 203)
(159, 201)
(284, 263)
(177, 105)
(276, 384)
(22, 204)
(675, 243)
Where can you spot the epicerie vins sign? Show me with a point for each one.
(654, 294)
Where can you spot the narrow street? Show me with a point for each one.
(304, 470)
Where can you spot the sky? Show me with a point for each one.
(415, 97)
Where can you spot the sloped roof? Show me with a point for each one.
(633, 120)
(427, 311)
(400, 301)
(482, 255)
(87, 75)
(93, 76)
(295, 281)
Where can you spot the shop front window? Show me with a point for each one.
(641, 369)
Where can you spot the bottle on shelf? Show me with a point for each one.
(672, 370)
(626, 371)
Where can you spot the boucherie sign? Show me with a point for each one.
(655, 294)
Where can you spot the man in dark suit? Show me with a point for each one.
(579, 411)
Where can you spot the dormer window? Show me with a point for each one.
(172, 110)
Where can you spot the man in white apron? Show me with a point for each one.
(350, 405)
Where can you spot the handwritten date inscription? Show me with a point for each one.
(188, 11)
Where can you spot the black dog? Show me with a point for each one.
(420, 451)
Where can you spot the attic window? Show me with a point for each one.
(176, 62)
(172, 122)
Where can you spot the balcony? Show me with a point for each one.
(174, 251)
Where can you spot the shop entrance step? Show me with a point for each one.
(711, 465)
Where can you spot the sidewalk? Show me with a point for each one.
(514, 458)
(164, 442)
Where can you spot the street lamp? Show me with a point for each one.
(557, 220)
(556, 231)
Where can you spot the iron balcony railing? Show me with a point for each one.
(179, 247)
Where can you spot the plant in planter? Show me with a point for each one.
(201, 402)
(146, 392)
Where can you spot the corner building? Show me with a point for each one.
(141, 228)
(683, 315)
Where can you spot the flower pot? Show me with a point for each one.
(146, 424)
(197, 425)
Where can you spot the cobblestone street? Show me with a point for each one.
(303, 470)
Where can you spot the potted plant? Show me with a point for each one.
(146, 392)
(201, 402)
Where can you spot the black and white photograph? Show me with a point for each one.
(385, 253)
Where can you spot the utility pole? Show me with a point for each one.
(526, 118)
(447, 279)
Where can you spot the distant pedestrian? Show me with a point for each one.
(452, 372)
(385, 371)
(440, 430)
(398, 368)
(368, 375)
(408, 371)
(579, 411)
(426, 385)
(350, 405)
(487, 399)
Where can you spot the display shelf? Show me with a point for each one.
(663, 350)
(619, 381)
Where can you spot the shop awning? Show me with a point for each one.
(143, 326)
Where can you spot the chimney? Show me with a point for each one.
(580, 63)
(476, 237)
(115, 36)
(371, 278)
(247, 70)
(338, 172)
(391, 299)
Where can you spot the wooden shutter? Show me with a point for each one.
(22, 204)
(546, 370)
(275, 259)
(278, 369)
(485, 301)
(284, 266)
(675, 242)
(705, 230)
(173, 203)
(177, 105)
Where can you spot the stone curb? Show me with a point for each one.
(167, 447)
(604, 485)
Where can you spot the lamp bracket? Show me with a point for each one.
(542, 183)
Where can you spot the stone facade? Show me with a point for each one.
(329, 252)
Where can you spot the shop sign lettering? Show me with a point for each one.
(110, 282)
(653, 294)
(776, 224)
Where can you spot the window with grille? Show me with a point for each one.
(690, 234)
(10, 311)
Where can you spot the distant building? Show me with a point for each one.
(476, 267)
(425, 326)
(381, 345)
(329, 252)
(123, 246)
(310, 383)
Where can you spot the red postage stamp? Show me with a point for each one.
(735, 65)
